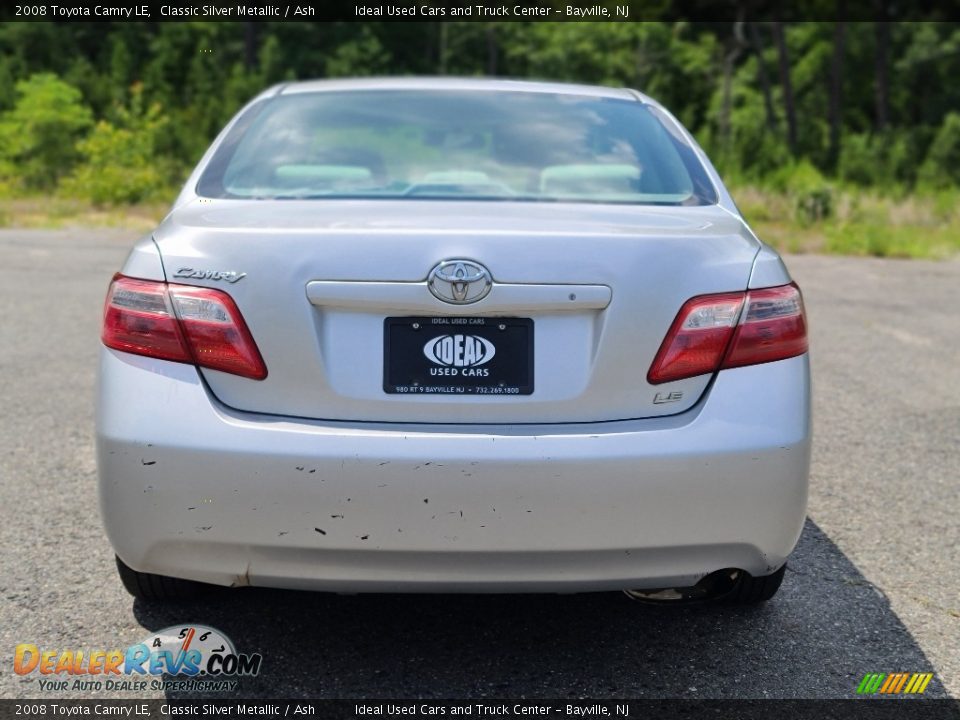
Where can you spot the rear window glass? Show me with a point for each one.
(456, 145)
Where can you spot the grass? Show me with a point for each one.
(858, 223)
(55, 213)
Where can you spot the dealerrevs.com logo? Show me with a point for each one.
(198, 657)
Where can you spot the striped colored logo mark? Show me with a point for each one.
(894, 683)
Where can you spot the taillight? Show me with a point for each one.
(181, 323)
(712, 332)
(773, 327)
(698, 338)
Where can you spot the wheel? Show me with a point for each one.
(158, 588)
(750, 590)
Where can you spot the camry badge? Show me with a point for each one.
(460, 281)
(231, 276)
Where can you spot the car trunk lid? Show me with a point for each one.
(597, 286)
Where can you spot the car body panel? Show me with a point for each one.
(196, 490)
(768, 269)
(325, 360)
(144, 260)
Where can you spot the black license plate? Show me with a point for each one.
(458, 356)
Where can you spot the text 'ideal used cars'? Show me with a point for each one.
(454, 335)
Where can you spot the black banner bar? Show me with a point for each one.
(475, 11)
(858, 709)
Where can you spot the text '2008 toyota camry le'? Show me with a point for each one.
(454, 335)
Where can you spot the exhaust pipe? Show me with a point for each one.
(714, 586)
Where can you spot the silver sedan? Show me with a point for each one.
(454, 335)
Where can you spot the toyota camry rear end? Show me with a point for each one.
(420, 335)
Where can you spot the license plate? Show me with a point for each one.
(458, 356)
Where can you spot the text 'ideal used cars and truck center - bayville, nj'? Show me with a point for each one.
(495, 11)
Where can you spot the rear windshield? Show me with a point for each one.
(456, 145)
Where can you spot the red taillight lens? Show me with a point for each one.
(773, 327)
(180, 323)
(698, 338)
(215, 331)
(138, 319)
(731, 330)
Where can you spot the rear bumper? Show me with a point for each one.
(192, 489)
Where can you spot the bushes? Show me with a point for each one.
(863, 222)
(48, 142)
(891, 240)
(941, 168)
(881, 160)
(891, 160)
(118, 168)
(38, 136)
(120, 164)
(811, 194)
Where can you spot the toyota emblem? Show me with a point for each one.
(460, 281)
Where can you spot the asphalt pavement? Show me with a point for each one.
(874, 585)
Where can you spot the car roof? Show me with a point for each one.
(455, 83)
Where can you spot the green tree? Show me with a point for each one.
(120, 164)
(38, 136)
(360, 55)
(941, 168)
(723, 80)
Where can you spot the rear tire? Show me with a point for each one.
(750, 590)
(158, 588)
